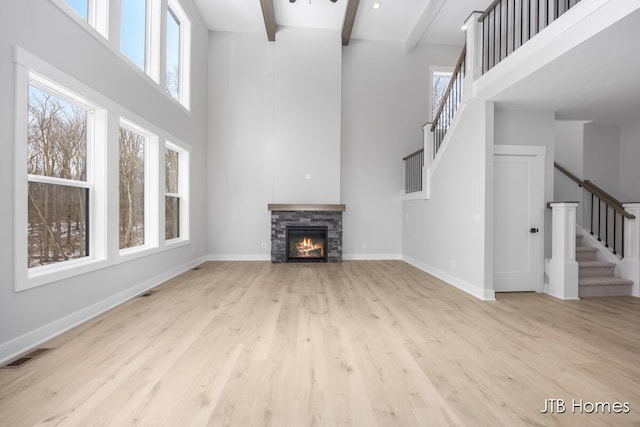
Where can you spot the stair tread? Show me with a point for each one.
(589, 264)
(611, 280)
(586, 249)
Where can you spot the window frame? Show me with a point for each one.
(182, 195)
(184, 55)
(150, 188)
(31, 71)
(104, 149)
(103, 24)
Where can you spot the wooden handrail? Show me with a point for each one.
(413, 154)
(454, 75)
(488, 11)
(569, 174)
(597, 191)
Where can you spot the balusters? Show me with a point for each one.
(500, 24)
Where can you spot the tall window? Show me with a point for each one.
(173, 55)
(132, 188)
(177, 53)
(58, 186)
(172, 194)
(133, 31)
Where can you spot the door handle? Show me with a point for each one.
(533, 230)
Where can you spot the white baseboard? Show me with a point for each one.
(463, 285)
(17, 346)
(235, 257)
(370, 257)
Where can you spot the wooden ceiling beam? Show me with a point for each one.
(349, 19)
(269, 16)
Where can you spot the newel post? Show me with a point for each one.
(562, 269)
(473, 59)
(630, 266)
(429, 154)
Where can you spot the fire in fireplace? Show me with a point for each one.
(306, 244)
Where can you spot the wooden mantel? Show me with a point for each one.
(307, 207)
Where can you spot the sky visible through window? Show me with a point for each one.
(173, 54)
(79, 6)
(133, 30)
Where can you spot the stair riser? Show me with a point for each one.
(595, 271)
(586, 256)
(604, 291)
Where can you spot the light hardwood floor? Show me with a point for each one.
(362, 343)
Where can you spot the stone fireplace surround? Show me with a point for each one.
(283, 215)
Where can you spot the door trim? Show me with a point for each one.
(540, 152)
(519, 150)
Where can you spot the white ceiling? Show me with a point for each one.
(393, 21)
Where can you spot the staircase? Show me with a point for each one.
(597, 278)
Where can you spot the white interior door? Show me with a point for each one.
(518, 222)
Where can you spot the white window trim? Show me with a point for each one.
(107, 19)
(151, 188)
(184, 91)
(105, 197)
(29, 72)
(183, 191)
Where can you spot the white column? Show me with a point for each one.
(562, 269)
(474, 52)
(630, 265)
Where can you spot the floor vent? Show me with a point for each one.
(148, 294)
(22, 360)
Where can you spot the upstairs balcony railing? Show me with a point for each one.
(502, 28)
(508, 24)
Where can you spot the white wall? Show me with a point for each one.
(629, 160)
(308, 78)
(241, 153)
(602, 157)
(385, 103)
(568, 153)
(441, 235)
(43, 29)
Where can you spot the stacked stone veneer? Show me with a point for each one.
(281, 219)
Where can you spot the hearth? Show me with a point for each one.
(306, 244)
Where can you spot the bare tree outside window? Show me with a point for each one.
(132, 215)
(172, 196)
(439, 86)
(57, 224)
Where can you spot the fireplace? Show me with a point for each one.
(306, 244)
(323, 226)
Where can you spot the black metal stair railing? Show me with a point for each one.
(508, 24)
(606, 214)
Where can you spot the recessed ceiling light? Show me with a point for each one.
(376, 5)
